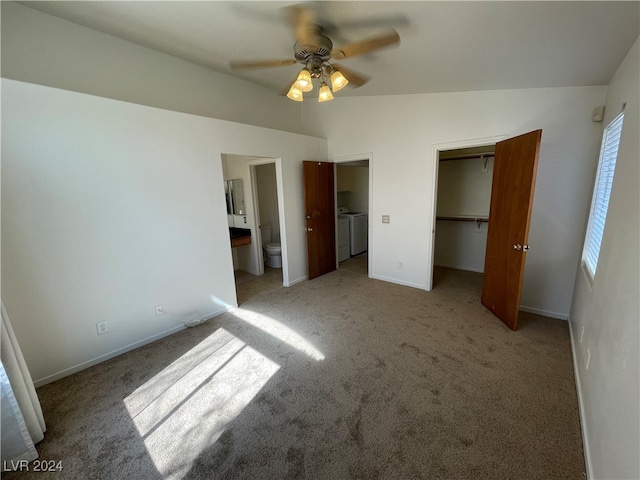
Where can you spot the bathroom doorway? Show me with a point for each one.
(353, 225)
(268, 216)
(248, 256)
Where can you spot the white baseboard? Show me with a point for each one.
(398, 282)
(576, 374)
(544, 313)
(127, 348)
(294, 282)
(458, 267)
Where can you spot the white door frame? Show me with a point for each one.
(437, 148)
(256, 212)
(353, 158)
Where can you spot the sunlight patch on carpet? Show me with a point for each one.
(186, 407)
(279, 331)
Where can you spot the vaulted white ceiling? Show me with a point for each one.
(445, 46)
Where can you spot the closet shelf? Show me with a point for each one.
(463, 219)
(467, 156)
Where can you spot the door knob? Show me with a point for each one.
(525, 248)
(517, 247)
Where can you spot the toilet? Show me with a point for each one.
(272, 252)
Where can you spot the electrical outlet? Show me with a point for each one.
(400, 263)
(102, 327)
(159, 310)
(385, 218)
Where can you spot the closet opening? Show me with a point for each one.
(464, 180)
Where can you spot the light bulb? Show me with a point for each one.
(295, 93)
(303, 82)
(338, 81)
(324, 95)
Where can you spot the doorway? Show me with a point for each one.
(510, 205)
(353, 225)
(261, 182)
(462, 180)
(267, 217)
(462, 208)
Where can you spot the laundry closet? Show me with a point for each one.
(352, 197)
(462, 210)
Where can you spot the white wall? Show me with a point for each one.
(44, 49)
(403, 131)
(608, 311)
(353, 187)
(110, 208)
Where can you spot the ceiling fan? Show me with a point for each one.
(315, 50)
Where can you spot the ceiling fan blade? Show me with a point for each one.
(303, 21)
(366, 46)
(262, 63)
(355, 79)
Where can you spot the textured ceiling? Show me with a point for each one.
(445, 46)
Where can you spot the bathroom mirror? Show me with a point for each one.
(227, 196)
(235, 196)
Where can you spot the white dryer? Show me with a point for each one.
(358, 230)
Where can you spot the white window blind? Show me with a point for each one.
(601, 193)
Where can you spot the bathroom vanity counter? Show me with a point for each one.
(240, 236)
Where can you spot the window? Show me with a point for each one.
(601, 193)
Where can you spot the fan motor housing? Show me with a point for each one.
(322, 50)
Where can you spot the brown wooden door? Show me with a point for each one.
(320, 214)
(514, 177)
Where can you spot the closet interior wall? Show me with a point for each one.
(462, 211)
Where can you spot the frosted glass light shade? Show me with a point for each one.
(295, 93)
(338, 81)
(324, 95)
(303, 82)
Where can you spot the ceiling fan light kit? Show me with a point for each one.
(338, 81)
(295, 93)
(303, 82)
(324, 95)
(314, 49)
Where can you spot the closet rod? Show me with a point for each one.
(468, 155)
(464, 219)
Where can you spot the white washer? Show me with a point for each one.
(358, 230)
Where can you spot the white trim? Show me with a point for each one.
(370, 248)
(398, 282)
(256, 220)
(294, 282)
(127, 348)
(437, 148)
(457, 267)
(576, 373)
(544, 313)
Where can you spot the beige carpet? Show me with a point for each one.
(340, 377)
